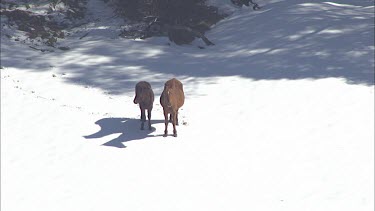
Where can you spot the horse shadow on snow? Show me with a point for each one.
(129, 130)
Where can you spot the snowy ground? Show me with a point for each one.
(278, 116)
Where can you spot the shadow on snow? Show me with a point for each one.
(129, 130)
(285, 40)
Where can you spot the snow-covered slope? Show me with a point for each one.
(278, 116)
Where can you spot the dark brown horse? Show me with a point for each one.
(172, 98)
(144, 96)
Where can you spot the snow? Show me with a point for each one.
(279, 115)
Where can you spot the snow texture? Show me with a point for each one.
(279, 115)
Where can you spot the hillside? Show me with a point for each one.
(278, 115)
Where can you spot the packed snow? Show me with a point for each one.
(279, 115)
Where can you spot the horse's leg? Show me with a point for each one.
(143, 118)
(166, 123)
(174, 123)
(149, 118)
(143, 114)
(170, 118)
(177, 117)
(140, 108)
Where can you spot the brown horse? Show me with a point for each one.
(172, 98)
(144, 96)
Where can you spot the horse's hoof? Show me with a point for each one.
(175, 135)
(165, 135)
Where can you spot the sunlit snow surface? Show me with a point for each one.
(278, 115)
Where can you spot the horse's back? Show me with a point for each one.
(177, 96)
